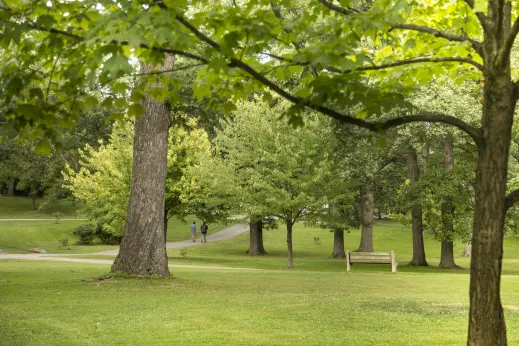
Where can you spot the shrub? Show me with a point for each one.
(63, 243)
(106, 237)
(85, 233)
(183, 252)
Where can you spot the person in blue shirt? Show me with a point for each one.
(193, 232)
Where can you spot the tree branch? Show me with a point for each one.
(439, 33)
(511, 199)
(480, 15)
(375, 126)
(509, 41)
(341, 10)
(170, 70)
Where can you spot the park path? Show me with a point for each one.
(227, 233)
(1, 220)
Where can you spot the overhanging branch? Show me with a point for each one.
(439, 33)
(509, 41)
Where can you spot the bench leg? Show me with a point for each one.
(393, 262)
(348, 266)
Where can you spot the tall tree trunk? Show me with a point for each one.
(33, 203)
(413, 172)
(486, 320)
(366, 208)
(256, 238)
(11, 187)
(338, 243)
(447, 247)
(143, 247)
(289, 244)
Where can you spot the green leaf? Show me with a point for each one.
(117, 65)
(42, 147)
(45, 21)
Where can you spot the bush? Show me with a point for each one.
(183, 252)
(63, 243)
(85, 233)
(106, 237)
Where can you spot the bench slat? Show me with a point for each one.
(377, 258)
(381, 261)
(371, 253)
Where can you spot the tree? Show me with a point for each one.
(353, 84)
(265, 167)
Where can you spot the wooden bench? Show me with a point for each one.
(371, 257)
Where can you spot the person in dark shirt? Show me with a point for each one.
(204, 229)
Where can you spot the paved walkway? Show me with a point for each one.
(227, 233)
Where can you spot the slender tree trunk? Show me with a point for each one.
(467, 251)
(33, 203)
(143, 247)
(11, 187)
(447, 247)
(256, 238)
(289, 243)
(366, 237)
(413, 171)
(338, 244)
(166, 219)
(486, 320)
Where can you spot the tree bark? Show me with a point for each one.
(289, 244)
(256, 238)
(338, 244)
(486, 320)
(366, 210)
(447, 246)
(413, 172)
(33, 204)
(143, 247)
(11, 187)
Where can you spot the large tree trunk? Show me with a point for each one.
(143, 247)
(289, 244)
(338, 244)
(413, 172)
(256, 238)
(486, 319)
(366, 210)
(447, 247)
(11, 187)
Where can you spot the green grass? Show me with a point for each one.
(388, 235)
(48, 304)
(19, 236)
(21, 208)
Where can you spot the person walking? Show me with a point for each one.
(193, 232)
(204, 229)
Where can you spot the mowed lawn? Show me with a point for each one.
(50, 304)
(21, 208)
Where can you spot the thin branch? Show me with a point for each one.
(413, 61)
(509, 41)
(511, 199)
(170, 70)
(480, 15)
(342, 10)
(439, 33)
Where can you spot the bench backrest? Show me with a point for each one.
(371, 257)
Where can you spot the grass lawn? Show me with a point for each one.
(21, 208)
(49, 304)
(387, 236)
(19, 236)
